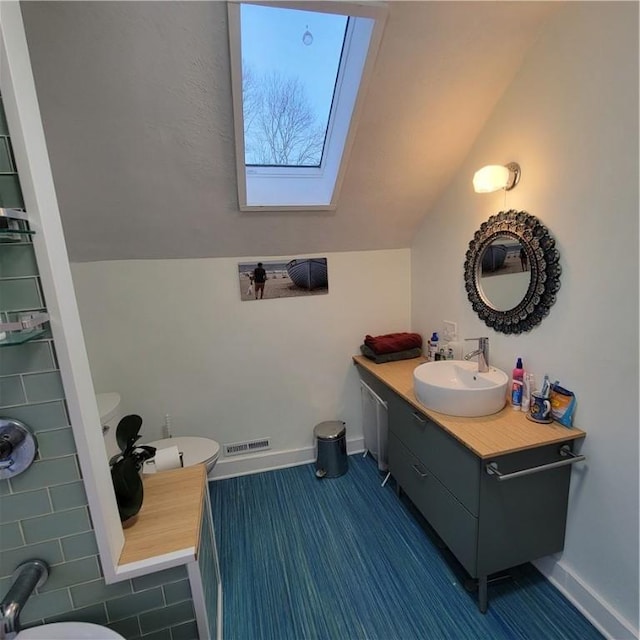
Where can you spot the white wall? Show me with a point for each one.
(570, 118)
(172, 336)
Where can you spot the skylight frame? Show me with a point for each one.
(260, 187)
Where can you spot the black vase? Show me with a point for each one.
(128, 488)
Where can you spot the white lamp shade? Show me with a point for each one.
(491, 178)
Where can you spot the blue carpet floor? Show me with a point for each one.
(343, 559)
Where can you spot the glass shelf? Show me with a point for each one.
(14, 227)
(23, 330)
(6, 235)
(20, 337)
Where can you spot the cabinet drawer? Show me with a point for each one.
(524, 517)
(453, 523)
(451, 462)
(408, 472)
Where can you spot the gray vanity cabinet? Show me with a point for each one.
(524, 518)
(453, 523)
(453, 464)
(378, 387)
(488, 524)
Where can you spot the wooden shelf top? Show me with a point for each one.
(488, 436)
(170, 518)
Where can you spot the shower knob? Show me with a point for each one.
(18, 447)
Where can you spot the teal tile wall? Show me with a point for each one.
(43, 511)
(20, 293)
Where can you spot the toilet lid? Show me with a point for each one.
(194, 450)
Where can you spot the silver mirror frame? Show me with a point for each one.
(544, 264)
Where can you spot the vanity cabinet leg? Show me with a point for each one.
(483, 600)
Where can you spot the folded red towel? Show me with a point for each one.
(391, 342)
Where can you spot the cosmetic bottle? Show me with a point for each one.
(529, 385)
(516, 386)
(433, 347)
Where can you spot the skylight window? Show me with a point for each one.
(297, 78)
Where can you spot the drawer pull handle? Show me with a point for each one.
(419, 419)
(419, 471)
(565, 452)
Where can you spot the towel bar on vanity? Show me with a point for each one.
(565, 451)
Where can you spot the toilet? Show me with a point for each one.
(195, 450)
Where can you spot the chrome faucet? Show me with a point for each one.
(26, 578)
(482, 352)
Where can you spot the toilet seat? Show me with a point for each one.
(194, 451)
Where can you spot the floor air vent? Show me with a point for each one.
(238, 448)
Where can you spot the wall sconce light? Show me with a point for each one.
(494, 177)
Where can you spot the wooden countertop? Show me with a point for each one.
(489, 436)
(170, 518)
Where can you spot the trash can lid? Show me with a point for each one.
(329, 430)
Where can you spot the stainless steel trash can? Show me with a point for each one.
(331, 444)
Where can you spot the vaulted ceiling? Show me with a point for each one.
(135, 99)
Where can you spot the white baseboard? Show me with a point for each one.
(599, 612)
(270, 460)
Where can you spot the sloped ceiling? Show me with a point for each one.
(136, 104)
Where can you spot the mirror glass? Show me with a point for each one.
(504, 273)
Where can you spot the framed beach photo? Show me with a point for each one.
(269, 279)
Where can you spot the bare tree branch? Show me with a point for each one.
(280, 125)
(251, 103)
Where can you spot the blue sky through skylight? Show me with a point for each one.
(272, 42)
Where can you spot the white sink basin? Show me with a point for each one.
(455, 387)
(69, 631)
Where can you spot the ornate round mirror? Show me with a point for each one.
(512, 271)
